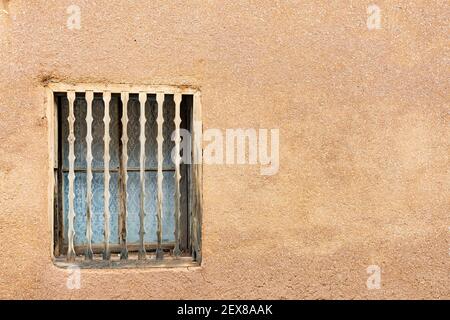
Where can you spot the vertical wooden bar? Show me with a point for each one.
(61, 182)
(56, 125)
(123, 179)
(106, 159)
(142, 120)
(196, 212)
(52, 115)
(89, 98)
(185, 168)
(160, 139)
(53, 101)
(71, 177)
(177, 175)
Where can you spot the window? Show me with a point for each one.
(120, 197)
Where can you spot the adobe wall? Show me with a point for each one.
(363, 118)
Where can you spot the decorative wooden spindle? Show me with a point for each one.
(142, 100)
(123, 178)
(106, 159)
(177, 175)
(71, 177)
(89, 98)
(160, 139)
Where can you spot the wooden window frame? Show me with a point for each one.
(194, 172)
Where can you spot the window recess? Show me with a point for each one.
(120, 200)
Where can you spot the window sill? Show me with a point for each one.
(130, 263)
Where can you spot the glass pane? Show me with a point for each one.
(168, 206)
(97, 207)
(133, 185)
(80, 132)
(133, 132)
(168, 129)
(151, 192)
(114, 124)
(98, 132)
(133, 207)
(151, 131)
(114, 208)
(150, 207)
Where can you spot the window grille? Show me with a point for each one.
(120, 197)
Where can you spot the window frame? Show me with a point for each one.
(194, 172)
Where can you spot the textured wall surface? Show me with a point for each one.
(364, 142)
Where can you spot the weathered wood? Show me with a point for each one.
(185, 262)
(57, 199)
(89, 119)
(197, 179)
(160, 139)
(123, 178)
(56, 128)
(185, 182)
(177, 175)
(129, 169)
(115, 249)
(130, 88)
(56, 214)
(142, 120)
(71, 178)
(107, 177)
(193, 199)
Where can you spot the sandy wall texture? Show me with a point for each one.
(364, 142)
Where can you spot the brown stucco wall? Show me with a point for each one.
(364, 131)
